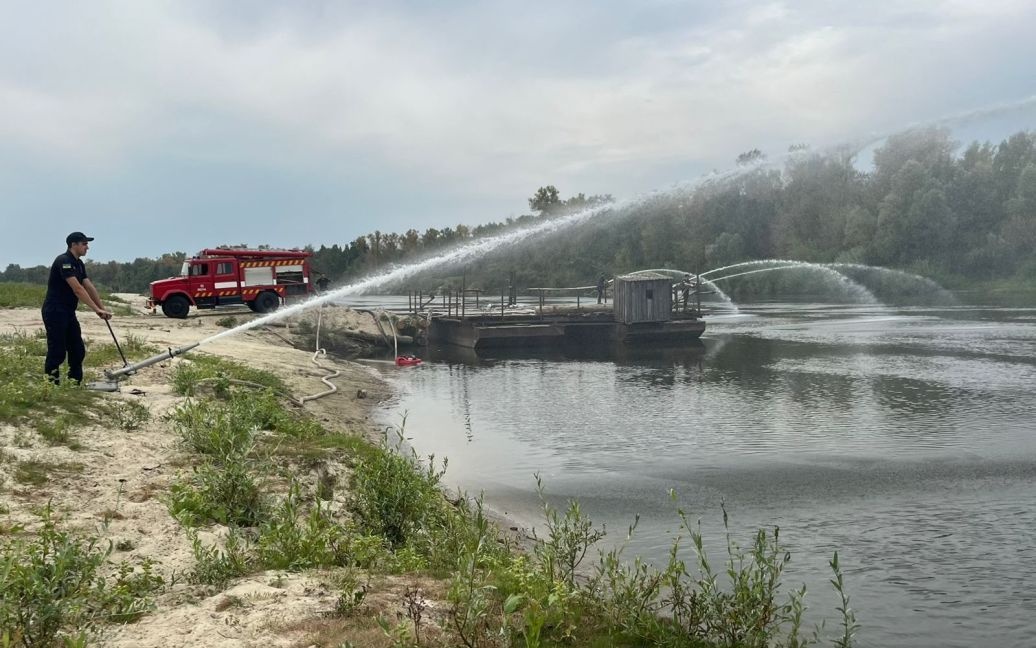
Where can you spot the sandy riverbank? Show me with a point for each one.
(120, 477)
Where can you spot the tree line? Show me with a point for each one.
(925, 205)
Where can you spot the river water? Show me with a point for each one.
(905, 438)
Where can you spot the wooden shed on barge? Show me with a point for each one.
(643, 312)
(641, 298)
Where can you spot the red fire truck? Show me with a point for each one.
(260, 279)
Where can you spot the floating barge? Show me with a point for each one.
(647, 309)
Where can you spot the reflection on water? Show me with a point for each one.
(902, 437)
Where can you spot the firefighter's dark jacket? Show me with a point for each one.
(60, 295)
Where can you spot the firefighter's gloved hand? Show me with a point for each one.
(103, 314)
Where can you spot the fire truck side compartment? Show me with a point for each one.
(261, 276)
(293, 279)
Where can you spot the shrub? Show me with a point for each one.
(284, 543)
(568, 539)
(475, 611)
(743, 605)
(212, 428)
(220, 427)
(53, 586)
(266, 412)
(215, 566)
(394, 497)
(225, 492)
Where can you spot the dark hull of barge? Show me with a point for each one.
(497, 332)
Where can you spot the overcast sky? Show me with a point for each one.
(164, 126)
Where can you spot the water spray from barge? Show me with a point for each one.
(484, 246)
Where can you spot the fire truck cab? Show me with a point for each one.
(260, 279)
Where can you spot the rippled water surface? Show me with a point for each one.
(904, 438)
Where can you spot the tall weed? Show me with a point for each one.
(128, 415)
(568, 539)
(133, 347)
(741, 605)
(474, 614)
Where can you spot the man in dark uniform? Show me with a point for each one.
(685, 289)
(66, 286)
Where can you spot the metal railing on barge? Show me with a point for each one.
(464, 302)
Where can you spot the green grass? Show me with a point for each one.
(21, 295)
(58, 431)
(106, 354)
(56, 410)
(200, 368)
(28, 295)
(346, 447)
(36, 472)
(296, 531)
(23, 387)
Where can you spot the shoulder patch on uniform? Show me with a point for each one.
(66, 266)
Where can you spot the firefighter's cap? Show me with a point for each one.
(77, 237)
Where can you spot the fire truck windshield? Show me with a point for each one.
(185, 269)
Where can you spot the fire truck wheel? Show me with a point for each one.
(267, 302)
(176, 306)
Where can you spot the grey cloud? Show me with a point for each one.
(486, 99)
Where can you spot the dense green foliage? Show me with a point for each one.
(921, 208)
(925, 205)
